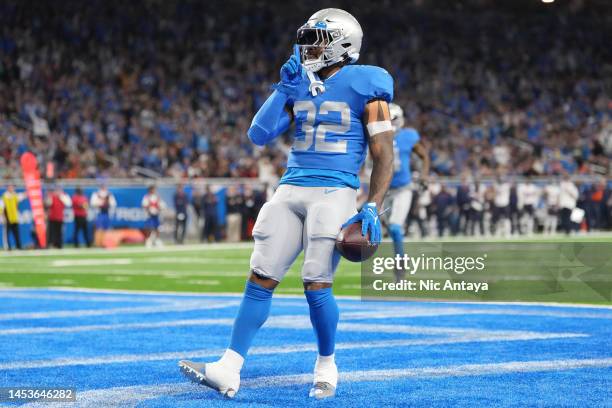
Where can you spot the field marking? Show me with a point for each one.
(62, 281)
(171, 307)
(128, 250)
(244, 273)
(287, 321)
(291, 349)
(118, 278)
(436, 372)
(132, 395)
(193, 260)
(216, 273)
(58, 263)
(16, 294)
(287, 296)
(203, 282)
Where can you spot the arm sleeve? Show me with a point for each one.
(270, 120)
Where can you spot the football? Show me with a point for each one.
(354, 246)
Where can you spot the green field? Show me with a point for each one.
(197, 268)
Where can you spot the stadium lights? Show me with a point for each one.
(548, 1)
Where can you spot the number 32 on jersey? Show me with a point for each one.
(317, 133)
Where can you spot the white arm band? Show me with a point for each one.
(375, 128)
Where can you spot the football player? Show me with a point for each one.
(339, 110)
(153, 206)
(399, 199)
(104, 202)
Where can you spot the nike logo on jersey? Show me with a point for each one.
(331, 190)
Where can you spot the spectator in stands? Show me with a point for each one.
(9, 206)
(79, 207)
(181, 201)
(56, 201)
(534, 97)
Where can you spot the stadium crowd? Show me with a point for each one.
(111, 89)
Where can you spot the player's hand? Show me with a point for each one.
(290, 74)
(369, 222)
(291, 71)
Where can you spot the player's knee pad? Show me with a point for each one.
(271, 238)
(320, 261)
(396, 232)
(267, 220)
(262, 258)
(323, 221)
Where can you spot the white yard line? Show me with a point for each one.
(295, 348)
(133, 395)
(126, 250)
(133, 272)
(295, 322)
(30, 295)
(378, 301)
(58, 263)
(173, 307)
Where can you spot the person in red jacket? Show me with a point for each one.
(79, 208)
(56, 202)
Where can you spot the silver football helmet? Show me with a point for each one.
(397, 116)
(330, 36)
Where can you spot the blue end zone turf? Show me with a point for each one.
(122, 348)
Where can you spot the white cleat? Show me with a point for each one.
(322, 390)
(325, 378)
(212, 375)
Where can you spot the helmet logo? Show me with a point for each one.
(321, 24)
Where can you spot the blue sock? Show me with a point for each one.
(324, 318)
(253, 312)
(398, 238)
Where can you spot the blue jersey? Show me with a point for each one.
(330, 139)
(404, 141)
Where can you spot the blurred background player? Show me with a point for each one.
(568, 198)
(477, 208)
(181, 202)
(399, 197)
(79, 209)
(153, 206)
(528, 197)
(235, 204)
(57, 201)
(551, 197)
(501, 207)
(339, 111)
(10, 212)
(104, 202)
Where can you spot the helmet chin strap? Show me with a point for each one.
(316, 85)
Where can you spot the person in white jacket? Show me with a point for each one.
(568, 197)
(551, 193)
